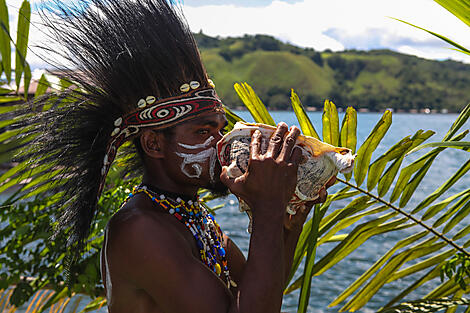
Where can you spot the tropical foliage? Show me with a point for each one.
(374, 80)
(379, 193)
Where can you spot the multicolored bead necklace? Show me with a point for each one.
(200, 223)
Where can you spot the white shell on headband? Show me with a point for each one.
(118, 121)
(150, 99)
(115, 131)
(185, 87)
(194, 84)
(142, 103)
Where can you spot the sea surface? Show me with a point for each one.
(326, 287)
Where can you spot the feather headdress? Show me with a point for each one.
(125, 57)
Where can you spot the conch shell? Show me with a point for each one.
(321, 162)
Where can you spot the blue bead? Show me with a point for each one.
(130, 195)
(177, 209)
(221, 251)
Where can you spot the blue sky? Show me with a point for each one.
(240, 3)
(332, 24)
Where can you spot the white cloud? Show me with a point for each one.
(333, 24)
(340, 24)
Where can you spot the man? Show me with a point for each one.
(141, 79)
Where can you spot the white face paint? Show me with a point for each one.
(205, 144)
(195, 159)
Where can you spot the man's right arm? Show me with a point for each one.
(153, 255)
(266, 187)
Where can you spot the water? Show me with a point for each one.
(330, 284)
(326, 287)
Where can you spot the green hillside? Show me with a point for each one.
(374, 80)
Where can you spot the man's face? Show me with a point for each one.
(191, 154)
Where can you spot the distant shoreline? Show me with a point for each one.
(362, 111)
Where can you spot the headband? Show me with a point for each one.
(158, 115)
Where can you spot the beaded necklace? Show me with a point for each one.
(200, 223)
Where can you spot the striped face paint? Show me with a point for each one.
(196, 159)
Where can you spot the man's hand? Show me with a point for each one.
(271, 177)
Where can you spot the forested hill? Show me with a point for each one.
(373, 80)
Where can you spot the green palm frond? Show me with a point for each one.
(418, 253)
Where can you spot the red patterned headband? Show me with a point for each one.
(158, 114)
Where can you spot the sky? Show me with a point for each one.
(332, 24)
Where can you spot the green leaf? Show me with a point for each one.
(364, 295)
(460, 8)
(387, 179)
(420, 281)
(437, 35)
(458, 123)
(253, 104)
(27, 80)
(43, 84)
(309, 263)
(411, 186)
(451, 211)
(355, 238)
(330, 123)
(56, 297)
(422, 265)
(94, 305)
(348, 221)
(438, 207)
(463, 213)
(375, 267)
(24, 18)
(355, 206)
(348, 137)
(446, 144)
(405, 174)
(376, 169)
(364, 154)
(443, 188)
(304, 121)
(5, 47)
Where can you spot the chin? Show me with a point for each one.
(218, 189)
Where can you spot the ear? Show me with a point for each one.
(152, 144)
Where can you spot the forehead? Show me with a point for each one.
(214, 119)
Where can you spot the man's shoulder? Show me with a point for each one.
(137, 227)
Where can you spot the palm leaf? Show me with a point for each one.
(5, 48)
(305, 124)
(460, 8)
(438, 36)
(21, 66)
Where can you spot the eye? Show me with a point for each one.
(203, 131)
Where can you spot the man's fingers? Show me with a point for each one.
(322, 194)
(297, 156)
(289, 143)
(255, 145)
(331, 182)
(276, 140)
(225, 179)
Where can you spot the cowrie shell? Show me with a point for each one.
(115, 131)
(194, 84)
(150, 99)
(211, 83)
(185, 88)
(118, 121)
(142, 103)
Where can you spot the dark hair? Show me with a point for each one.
(120, 51)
